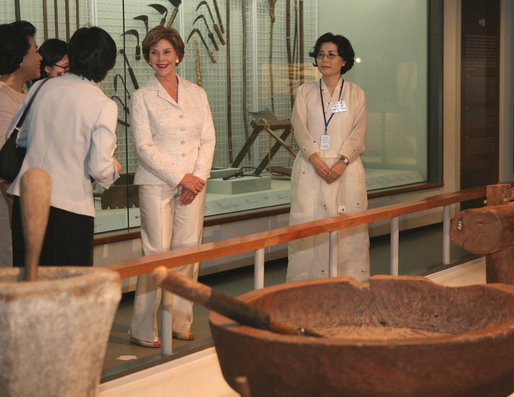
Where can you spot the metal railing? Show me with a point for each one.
(259, 241)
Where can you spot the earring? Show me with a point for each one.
(176, 62)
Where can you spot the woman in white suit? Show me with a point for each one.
(70, 133)
(174, 138)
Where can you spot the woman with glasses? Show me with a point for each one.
(55, 58)
(328, 179)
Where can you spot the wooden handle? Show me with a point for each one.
(172, 19)
(220, 36)
(232, 308)
(35, 194)
(213, 57)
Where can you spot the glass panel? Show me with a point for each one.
(391, 68)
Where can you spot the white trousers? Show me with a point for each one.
(165, 225)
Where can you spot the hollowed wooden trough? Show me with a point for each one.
(396, 336)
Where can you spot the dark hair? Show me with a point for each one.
(52, 51)
(92, 53)
(157, 34)
(14, 44)
(344, 49)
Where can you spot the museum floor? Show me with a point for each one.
(420, 253)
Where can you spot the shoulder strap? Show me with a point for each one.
(22, 118)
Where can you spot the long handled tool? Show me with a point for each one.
(77, 13)
(230, 307)
(67, 18)
(161, 10)
(302, 73)
(197, 60)
(219, 16)
(17, 12)
(289, 54)
(210, 34)
(143, 18)
(229, 90)
(245, 94)
(216, 28)
(272, 18)
(131, 72)
(211, 54)
(36, 190)
(176, 4)
(134, 33)
(45, 20)
(56, 19)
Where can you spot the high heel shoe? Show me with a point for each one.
(145, 343)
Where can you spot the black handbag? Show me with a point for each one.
(12, 155)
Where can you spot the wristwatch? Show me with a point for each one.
(345, 160)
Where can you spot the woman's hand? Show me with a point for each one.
(192, 183)
(186, 197)
(319, 165)
(335, 172)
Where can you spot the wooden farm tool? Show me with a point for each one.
(489, 231)
(229, 88)
(17, 12)
(230, 307)
(216, 28)
(289, 53)
(219, 16)
(117, 77)
(209, 51)
(176, 4)
(67, 18)
(129, 68)
(245, 85)
(77, 13)
(301, 45)
(272, 23)
(45, 20)
(209, 33)
(197, 60)
(134, 33)
(36, 190)
(161, 10)
(144, 19)
(56, 19)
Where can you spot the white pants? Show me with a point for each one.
(165, 225)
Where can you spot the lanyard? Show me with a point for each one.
(323, 104)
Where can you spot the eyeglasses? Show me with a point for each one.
(330, 55)
(63, 67)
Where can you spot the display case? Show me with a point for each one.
(250, 56)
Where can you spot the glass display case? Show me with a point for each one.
(250, 56)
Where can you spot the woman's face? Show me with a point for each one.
(163, 59)
(329, 61)
(31, 62)
(59, 68)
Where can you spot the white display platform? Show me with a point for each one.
(219, 204)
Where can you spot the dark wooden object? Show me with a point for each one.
(396, 336)
(258, 126)
(121, 194)
(489, 231)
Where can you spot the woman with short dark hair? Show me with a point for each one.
(55, 60)
(19, 63)
(70, 132)
(328, 178)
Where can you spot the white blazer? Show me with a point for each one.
(172, 139)
(69, 132)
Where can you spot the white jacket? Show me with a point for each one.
(172, 139)
(69, 132)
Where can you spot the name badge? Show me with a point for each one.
(338, 107)
(325, 142)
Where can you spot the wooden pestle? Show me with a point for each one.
(232, 308)
(35, 193)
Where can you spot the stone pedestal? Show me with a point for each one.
(54, 331)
